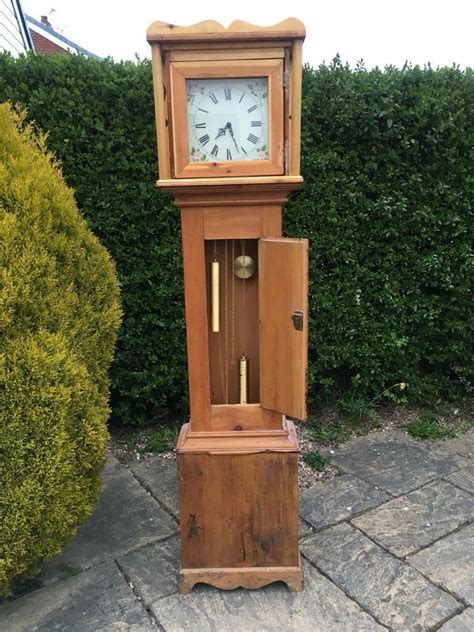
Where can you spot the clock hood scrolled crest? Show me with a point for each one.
(291, 28)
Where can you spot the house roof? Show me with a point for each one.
(14, 33)
(54, 40)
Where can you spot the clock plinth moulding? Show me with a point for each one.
(228, 105)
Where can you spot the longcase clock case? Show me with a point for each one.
(238, 455)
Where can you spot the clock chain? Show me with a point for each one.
(244, 313)
(226, 321)
(243, 360)
(233, 307)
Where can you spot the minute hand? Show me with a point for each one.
(231, 131)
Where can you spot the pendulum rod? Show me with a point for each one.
(243, 360)
(215, 273)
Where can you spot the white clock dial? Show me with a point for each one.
(227, 119)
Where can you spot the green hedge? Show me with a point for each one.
(385, 203)
(59, 318)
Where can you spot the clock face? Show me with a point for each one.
(227, 119)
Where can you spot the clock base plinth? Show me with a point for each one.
(238, 498)
(250, 578)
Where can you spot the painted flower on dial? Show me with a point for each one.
(197, 155)
(193, 89)
(259, 89)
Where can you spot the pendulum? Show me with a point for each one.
(244, 267)
(215, 325)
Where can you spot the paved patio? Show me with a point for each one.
(387, 545)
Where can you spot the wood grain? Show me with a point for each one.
(295, 108)
(283, 288)
(211, 30)
(283, 439)
(250, 578)
(231, 192)
(196, 317)
(160, 113)
(272, 69)
(236, 222)
(271, 220)
(238, 510)
(286, 181)
(243, 417)
(221, 47)
(228, 53)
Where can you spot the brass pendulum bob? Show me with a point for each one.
(244, 267)
(243, 379)
(215, 325)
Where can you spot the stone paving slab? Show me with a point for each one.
(396, 594)
(463, 445)
(97, 599)
(160, 477)
(463, 622)
(304, 530)
(450, 563)
(463, 478)
(325, 504)
(411, 522)
(153, 570)
(126, 518)
(395, 462)
(322, 607)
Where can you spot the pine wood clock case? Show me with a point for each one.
(238, 463)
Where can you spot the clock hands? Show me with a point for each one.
(223, 130)
(231, 131)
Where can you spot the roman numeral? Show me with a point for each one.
(201, 110)
(200, 125)
(228, 94)
(243, 150)
(254, 107)
(256, 124)
(252, 138)
(213, 97)
(204, 139)
(215, 150)
(229, 155)
(241, 98)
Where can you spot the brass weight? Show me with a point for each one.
(215, 273)
(244, 267)
(243, 380)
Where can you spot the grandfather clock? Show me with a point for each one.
(228, 107)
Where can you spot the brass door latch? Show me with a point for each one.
(297, 318)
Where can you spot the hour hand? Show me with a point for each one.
(220, 133)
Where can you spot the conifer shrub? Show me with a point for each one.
(59, 316)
